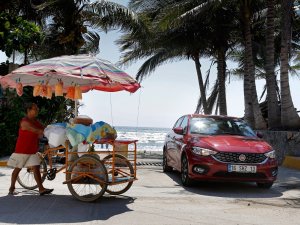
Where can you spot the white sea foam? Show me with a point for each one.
(149, 139)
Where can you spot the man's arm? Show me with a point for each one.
(25, 125)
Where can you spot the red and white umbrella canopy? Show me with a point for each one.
(86, 71)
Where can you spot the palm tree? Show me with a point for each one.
(273, 109)
(194, 16)
(223, 25)
(253, 114)
(176, 18)
(165, 41)
(289, 117)
(72, 26)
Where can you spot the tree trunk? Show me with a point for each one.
(253, 113)
(289, 117)
(26, 57)
(273, 108)
(221, 82)
(201, 84)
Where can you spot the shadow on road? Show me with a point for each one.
(227, 189)
(34, 209)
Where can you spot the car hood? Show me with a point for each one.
(229, 143)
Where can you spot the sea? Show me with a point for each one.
(150, 139)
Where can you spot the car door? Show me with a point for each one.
(171, 146)
(179, 143)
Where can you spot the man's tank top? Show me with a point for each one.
(28, 141)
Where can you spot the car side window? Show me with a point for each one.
(178, 122)
(184, 124)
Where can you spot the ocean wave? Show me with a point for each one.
(149, 139)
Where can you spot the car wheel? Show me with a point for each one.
(264, 185)
(185, 179)
(166, 168)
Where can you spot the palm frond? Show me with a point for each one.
(111, 15)
(160, 57)
(91, 45)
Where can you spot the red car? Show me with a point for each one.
(219, 148)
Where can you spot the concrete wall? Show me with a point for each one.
(284, 142)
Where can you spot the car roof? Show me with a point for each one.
(212, 116)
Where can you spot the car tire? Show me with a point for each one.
(166, 167)
(185, 178)
(267, 185)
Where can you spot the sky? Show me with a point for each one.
(168, 93)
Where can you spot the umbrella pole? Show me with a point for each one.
(76, 109)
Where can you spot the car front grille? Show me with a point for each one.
(234, 157)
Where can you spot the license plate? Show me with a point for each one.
(242, 168)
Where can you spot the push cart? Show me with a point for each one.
(89, 175)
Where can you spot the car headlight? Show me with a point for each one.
(271, 154)
(203, 151)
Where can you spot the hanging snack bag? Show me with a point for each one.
(49, 92)
(37, 89)
(43, 92)
(70, 92)
(78, 93)
(19, 89)
(59, 88)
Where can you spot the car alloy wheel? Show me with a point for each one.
(185, 179)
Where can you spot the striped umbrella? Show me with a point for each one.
(86, 71)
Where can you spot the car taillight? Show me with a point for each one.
(271, 154)
(203, 151)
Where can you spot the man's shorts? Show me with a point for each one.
(18, 160)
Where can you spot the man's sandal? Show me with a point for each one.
(46, 191)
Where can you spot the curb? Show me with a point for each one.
(292, 162)
(3, 163)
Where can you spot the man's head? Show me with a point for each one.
(31, 109)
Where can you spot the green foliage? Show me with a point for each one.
(10, 114)
(17, 34)
(58, 109)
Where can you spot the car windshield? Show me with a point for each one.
(219, 126)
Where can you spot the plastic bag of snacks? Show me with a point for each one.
(70, 92)
(19, 89)
(49, 92)
(59, 88)
(37, 89)
(43, 92)
(78, 93)
(55, 134)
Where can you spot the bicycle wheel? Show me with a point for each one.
(123, 172)
(26, 176)
(88, 178)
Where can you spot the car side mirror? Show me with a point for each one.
(178, 130)
(259, 134)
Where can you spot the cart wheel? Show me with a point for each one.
(26, 176)
(88, 170)
(123, 171)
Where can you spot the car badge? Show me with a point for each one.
(242, 157)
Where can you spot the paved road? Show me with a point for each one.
(158, 198)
